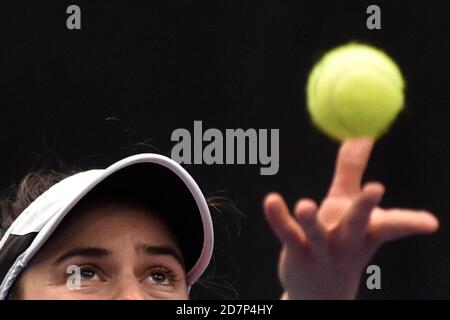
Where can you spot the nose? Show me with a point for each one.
(129, 289)
(130, 295)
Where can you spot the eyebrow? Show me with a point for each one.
(160, 251)
(91, 252)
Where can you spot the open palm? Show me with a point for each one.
(325, 248)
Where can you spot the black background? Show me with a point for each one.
(140, 69)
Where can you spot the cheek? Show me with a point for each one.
(179, 295)
(62, 293)
(58, 293)
(34, 284)
(184, 296)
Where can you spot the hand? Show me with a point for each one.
(325, 248)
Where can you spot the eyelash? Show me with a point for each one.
(89, 267)
(169, 273)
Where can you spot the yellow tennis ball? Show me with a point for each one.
(355, 90)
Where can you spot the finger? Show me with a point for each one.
(399, 223)
(305, 207)
(282, 222)
(356, 219)
(306, 213)
(351, 163)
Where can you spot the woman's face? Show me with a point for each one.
(107, 251)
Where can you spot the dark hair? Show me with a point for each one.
(17, 198)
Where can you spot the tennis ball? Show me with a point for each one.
(355, 90)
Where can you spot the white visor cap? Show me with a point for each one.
(159, 180)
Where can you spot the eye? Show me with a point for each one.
(88, 274)
(79, 277)
(161, 276)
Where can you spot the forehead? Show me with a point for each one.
(106, 216)
(109, 223)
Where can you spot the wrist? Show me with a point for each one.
(284, 296)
